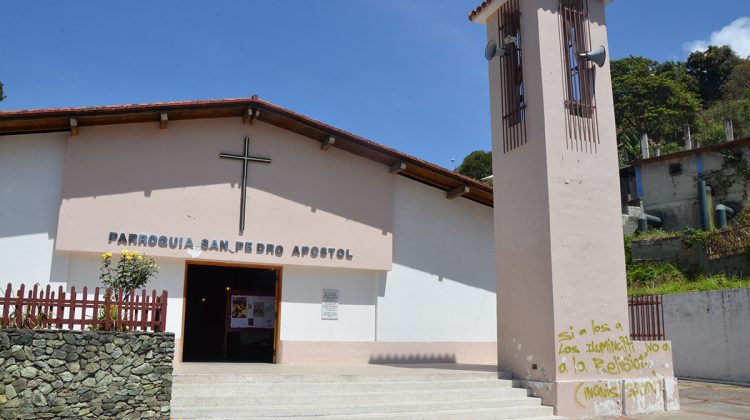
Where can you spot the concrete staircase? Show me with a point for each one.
(378, 393)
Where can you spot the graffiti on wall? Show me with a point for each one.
(606, 350)
(597, 349)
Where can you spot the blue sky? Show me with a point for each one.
(406, 73)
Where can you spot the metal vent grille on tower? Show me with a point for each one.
(582, 127)
(513, 105)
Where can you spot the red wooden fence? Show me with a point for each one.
(36, 308)
(646, 317)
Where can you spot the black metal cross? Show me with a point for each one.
(245, 158)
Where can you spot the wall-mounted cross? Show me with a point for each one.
(245, 158)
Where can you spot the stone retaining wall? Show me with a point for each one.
(692, 259)
(53, 374)
(671, 250)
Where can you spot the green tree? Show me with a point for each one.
(477, 165)
(2, 96)
(678, 71)
(711, 68)
(711, 123)
(657, 99)
(738, 84)
(628, 147)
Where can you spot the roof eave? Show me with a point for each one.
(59, 120)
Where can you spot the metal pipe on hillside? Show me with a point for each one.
(703, 205)
(644, 219)
(721, 215)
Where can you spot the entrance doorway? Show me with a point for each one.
(231, 313)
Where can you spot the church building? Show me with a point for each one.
(283, 239)
(279, 238)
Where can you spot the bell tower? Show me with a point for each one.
(563, 326)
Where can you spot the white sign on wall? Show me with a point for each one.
(330, 307)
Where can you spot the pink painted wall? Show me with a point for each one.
(136, 178)
(562, 258)
(562, 302)
(522, 248)
(587, 251)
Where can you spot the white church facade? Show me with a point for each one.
(283, 239)
(356, 252)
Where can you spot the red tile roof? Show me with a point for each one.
(478, 9)
(486, 3)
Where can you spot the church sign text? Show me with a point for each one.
(223, 245)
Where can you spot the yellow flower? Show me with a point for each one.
(124, 252)
(106, 255)
(140, 257)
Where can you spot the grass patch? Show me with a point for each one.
(650, 275)
(656, 234)
(650, 278)
(661, 286)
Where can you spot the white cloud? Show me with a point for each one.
(736, 35)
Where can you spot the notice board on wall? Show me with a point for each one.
(330, 305)
(246, 310)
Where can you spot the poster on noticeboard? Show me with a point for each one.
(249, 311)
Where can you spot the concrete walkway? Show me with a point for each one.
(707, 401)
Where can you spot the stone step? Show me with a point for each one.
(504, 408)
(190, 388)
(306, 378)
(250, 396)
